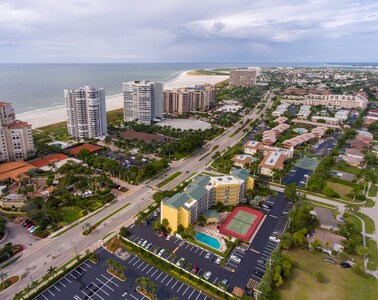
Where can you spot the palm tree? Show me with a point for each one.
(152, 287)
(45, 278)
(3, 276)
(18, 296)
(51, 271)
(34, 284)
(28, 289)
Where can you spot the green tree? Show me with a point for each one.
(165, 223)
(286, 240)
(156, 225)
(3, 276)
(291, 191)
(319, 276)
(124, 232)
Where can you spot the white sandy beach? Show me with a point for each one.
(43, 117)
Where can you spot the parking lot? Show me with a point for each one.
(124, 160)
(297, 175)
(322, 147)
(237, 274)
(91, 281)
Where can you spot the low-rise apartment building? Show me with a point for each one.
(342, 114)
(185, 208)
(304, 112)
(272, 161)
(242, 160)
(328, 120)
(281, 109)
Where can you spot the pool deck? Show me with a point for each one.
(219, 237)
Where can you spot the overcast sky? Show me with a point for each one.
(188, 31)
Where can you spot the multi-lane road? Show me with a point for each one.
(56, 251)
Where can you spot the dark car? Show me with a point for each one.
(331, 261)
(345, 265)
(258, 273)
(195, 270)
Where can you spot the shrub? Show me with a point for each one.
(319, 276)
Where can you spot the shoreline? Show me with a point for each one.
(51, 115)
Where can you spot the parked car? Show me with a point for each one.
(274, 239)
(235, 258)
(156, 250)
(261, 261)
(345, 265)
(208, 275)
(258, 273)
(161, 252)
(208, 255)
(149, 245)
(140, 242)
(195, 270)
(169, 237)
(329, 260)
(144, 244)
(33, 229)
(25, 222)
(163, 234)
(30, 225)
(180, 262)
(218, 260)
(156, 214)
(225, 284)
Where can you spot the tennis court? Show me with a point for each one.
(307, 163)
(241, 223)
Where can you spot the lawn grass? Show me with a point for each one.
(341, 189)
(353, 219)
(369, 223)
(347, 168)
(372, 254)
(71, 214)
(169, 179)
(340, 283)
(373, 190)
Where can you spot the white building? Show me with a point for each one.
(342, 115)
(304, 112)
(86, 112)
(281, 109)
(143, 101)
(16, 138)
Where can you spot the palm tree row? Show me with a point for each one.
(116, 267)
(147, 285)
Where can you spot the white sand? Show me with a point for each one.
(47, 116)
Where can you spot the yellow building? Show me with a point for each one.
(185, 208)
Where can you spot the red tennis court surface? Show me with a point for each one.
(241, 223)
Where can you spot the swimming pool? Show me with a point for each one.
(300, 130)
(208, 240)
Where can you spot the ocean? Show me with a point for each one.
(31, 87)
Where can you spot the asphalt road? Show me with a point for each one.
(55, 252)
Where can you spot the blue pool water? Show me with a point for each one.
(207, 240)
(299, 130)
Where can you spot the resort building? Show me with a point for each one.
(244, 77)
(342, 115)
(86, 112)
(328, 120)
(342, 101)
(253, 147)
(317, 132)
(183, 100)
(281, 109)
(280, 120)
(272, 161)
(304, 112)
(270, 136)
(185, 208)
(143, 101)
(16, 137)
(242, 160)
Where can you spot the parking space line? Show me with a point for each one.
(187, 245)
(73, 276)
(215, 280)
(174, 284)
(51, 293)
(253, 250)
(62, 283)
(169, 281)
(141, 264)
(149, 270)
(147, 265)
(154, 273)
(77, 272)
(198, 295)
(197, 250)
(89, 297)
(164, 278)
(182, 243)
(180, 287)
(185, 291)
(67, 279)
(138, 260)
(130, 261)
(159, 275)
(201, 252)
(273, 216)
(104, 284)
(175, 250)
(89, 266)
(44, 297)
(81, 267)
(135, 297)
(191, 294)
(257, 267)
(100, 288)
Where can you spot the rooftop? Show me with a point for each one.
(76, 149)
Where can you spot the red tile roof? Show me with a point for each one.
(44, 161)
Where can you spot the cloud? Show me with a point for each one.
(178, 30)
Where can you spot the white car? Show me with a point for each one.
(208, 275)
(180, 262)
(218, 260)
(274, 239)
(161, 252)
(236, 258)
(144, 244)
(208, 255)
(32, 228)
(169, 237)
